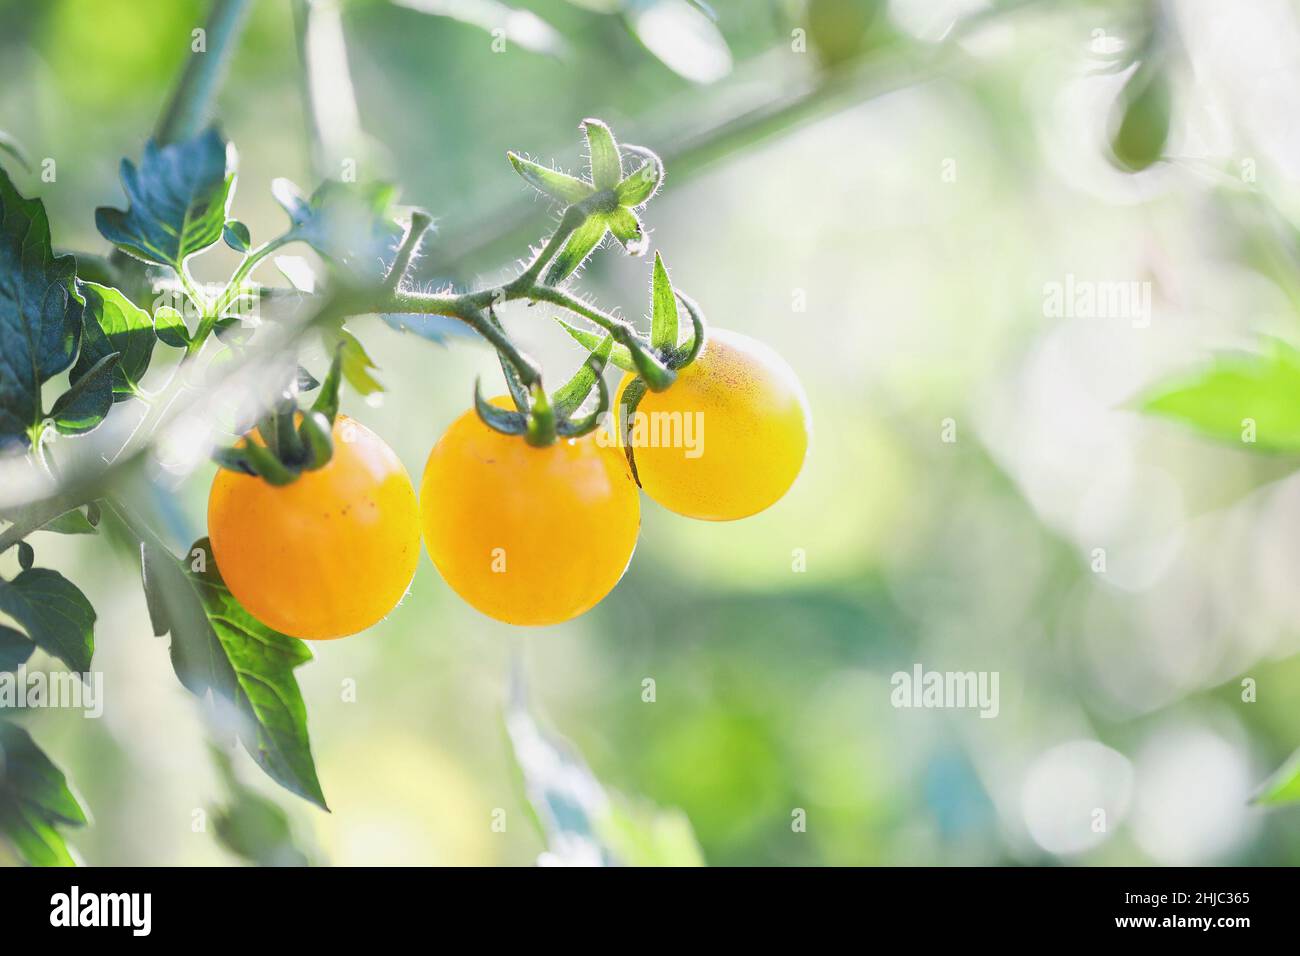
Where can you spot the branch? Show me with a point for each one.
(191, 103)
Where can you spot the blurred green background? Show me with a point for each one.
(883, 195)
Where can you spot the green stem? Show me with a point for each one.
(420, 223)
(191, 103)
(574, 216)
(234, 288)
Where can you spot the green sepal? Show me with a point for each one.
(570, 396)
(627, 229)
(632, 396)
(685, 354)
(327, 401)
(233, 459)
(576, 428)
(577, 248)
(664, 322)
(551, 182)
(498, 419)
(638, 187)
(281, 434)
(655, 373)
(26, 555)
(266, 465)
(606, 164)
(317, 435)
(620, 356)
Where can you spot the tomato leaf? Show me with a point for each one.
(70, 522)
(113, 323)
(40, 313)
(54, 613)
(347, 223)
(178, 198)
(15, 648)
(1224, 399)
(219, 648)
(583, 822)
(34, 800)
(170, 327)
(83, 406)
(357, 366)
(551, 182)
(251, 826)
(237, 236)
(436, 328)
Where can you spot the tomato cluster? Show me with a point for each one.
(527, 535)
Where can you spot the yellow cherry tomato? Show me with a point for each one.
(728, 437)
(527, 535)
(327, 555)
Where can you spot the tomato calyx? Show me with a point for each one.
(293, 440)
(541, 418)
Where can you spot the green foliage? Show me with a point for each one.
(237, 236)
(619, 355)
(664, 322)
(54, 613)
(1218, 401)
(170, 327)
(75, 521)
(581, 244)
(15, 648)
(1141, 118)
(114, 325)
(178, 199)
(1283, 786)
(346, 223)
(551, 182)
(40, 313)
(252, 827)
(34, 800)
(83, 406)
(219, 648)
(581, 821)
